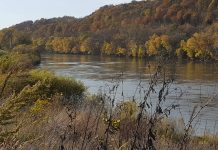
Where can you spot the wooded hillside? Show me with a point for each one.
(126, 29)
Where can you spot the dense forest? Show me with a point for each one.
(183, 28)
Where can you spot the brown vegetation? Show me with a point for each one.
(124, 30)
(49, 112)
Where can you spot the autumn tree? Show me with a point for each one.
(141, 51)
(87, 45)
(67, 44)
(11, 37)
(120, 51)
(59, 44)
(200, 46)
(158, 45)
(133, 48)
(107, 48)
(117, 30)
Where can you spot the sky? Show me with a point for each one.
(15, 11)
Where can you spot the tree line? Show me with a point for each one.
(184, 28)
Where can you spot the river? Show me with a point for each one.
(194, 82)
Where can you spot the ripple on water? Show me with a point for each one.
(194, 83)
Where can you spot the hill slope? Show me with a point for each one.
(117, 30)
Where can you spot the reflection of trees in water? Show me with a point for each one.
(197, 71)
(185, 70)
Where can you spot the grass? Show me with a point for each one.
(76, 128)
(42, 111)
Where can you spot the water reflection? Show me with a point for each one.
(107, 66)
(196, 81)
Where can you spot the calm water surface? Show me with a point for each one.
(195, 82)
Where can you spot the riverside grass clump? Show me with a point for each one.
(33, 101)
(27, 94)
(47, 84)
(19, 61)
(42, 111)
(67, 86)
(2, 52)
(50, 125)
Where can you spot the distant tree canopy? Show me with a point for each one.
(123, 30)
(203, 45)
(12, 37)
(158, 45)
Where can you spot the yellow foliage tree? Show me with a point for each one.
(87, 45)
(107, 48)
(158, 45)
(141, 51)
(59, 44)
(132, 46)
(200, 45)
(121, 51)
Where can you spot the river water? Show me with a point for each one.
(194, 83)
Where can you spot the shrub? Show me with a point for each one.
(2, 52)
(39, 106)
(67, 86)
(17, 61)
